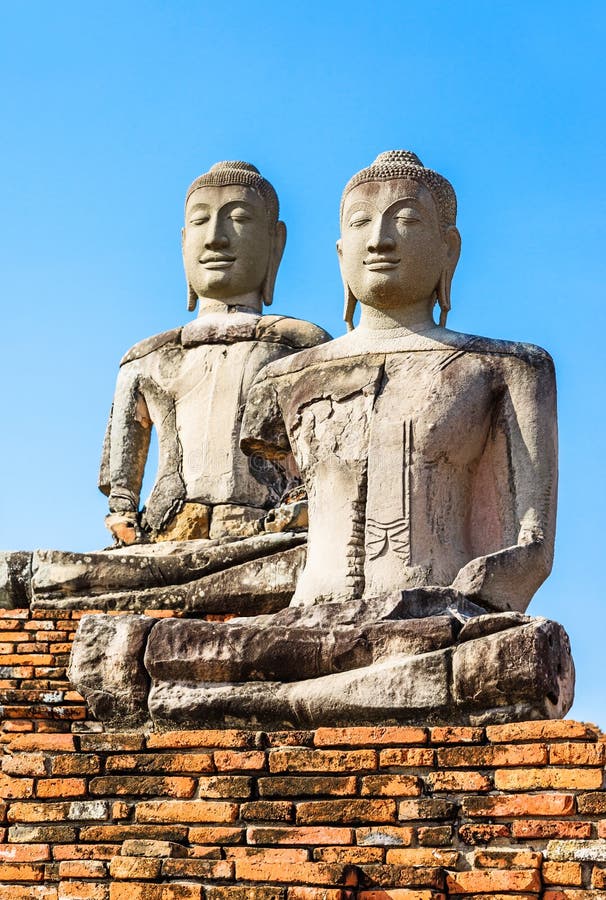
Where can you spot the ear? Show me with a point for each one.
(275, 256)
(453, 251)
(192, 297)
(350, 301)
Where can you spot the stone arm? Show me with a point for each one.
(523, 444)
(126, 444)
(263, 429)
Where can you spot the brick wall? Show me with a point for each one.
(35, 695)
(394, 813)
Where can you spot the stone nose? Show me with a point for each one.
(380, 239)
(216, 236)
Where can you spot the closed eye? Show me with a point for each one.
(356, 223)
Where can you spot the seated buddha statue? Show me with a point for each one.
(191, 383)
(429, 459)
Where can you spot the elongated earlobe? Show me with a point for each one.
(192, 298)
(349, 308)
(443, 292)
(275, 256)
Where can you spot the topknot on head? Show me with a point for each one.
(234, 164)
(243, 174)
(391, 157)
(406, 164)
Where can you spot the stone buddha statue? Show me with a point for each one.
(191, 383)
(430, 463)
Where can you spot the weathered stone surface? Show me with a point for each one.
(192, 522)
(404, 689)
(60, 576)
(529, 668)
(106, 666)
(207, 651)
(15, 579)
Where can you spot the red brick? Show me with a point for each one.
(239, 761)
(130, 890)
(56, 742)
(385, 836)
(435, 836)
(489, 880)
(545, 828)
(21, 871)
(80, 764)
(592, 804)
(267, 811)
(300, 760)
(186, 811)
(16, 853)
(518, 805)
(576, 754)
(406, 757)
(29, 892)
(499, 755)
(61, 787)
(160, 762)
(349, 855)
(290, 738)
(133, 867)
(562, 873)
(255, 869)
(602, 829)
(227, 739)
(404, 894)
(198, 868)
(458, 781)
(427, 808)
(306, 786)
(347, 812)
(147, 849)
(216, 835)
(113, 833)
(138, 785)
(483, 834)
(392, 876)
(107, 742)
(558, 779)
(38, 812)
(507, 859)
(369, 737)
(25, 659)
(391, 786)
(566, 729)
(314, 893)
(269, 854)
(572, 894)
(422, 856)
(295, 835)
(82, 868)
(245, 892)
(225, 787)
(598, 877)
(24, 764)
(15, 788)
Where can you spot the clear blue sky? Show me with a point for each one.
(109, 110)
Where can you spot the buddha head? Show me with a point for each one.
(399, 242)
(232, 239)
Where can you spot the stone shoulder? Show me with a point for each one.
(148, 345)
(356, 345)
(295, 333)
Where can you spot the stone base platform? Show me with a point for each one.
(387, 813)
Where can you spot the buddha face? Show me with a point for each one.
(392, 249)
(226, 242)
